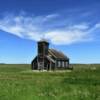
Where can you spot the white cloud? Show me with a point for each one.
(82, 26)
(24, 27)
(50, 17)
(67, 37)
(33, 28)
(97, 25)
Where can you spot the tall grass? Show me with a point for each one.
(18, 82)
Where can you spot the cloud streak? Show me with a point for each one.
(37, 27)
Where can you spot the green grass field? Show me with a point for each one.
(18, 82)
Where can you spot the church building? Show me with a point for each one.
(49, 59)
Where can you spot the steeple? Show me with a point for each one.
(43, 47)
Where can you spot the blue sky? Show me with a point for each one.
(71, 26)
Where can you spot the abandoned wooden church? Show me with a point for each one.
(49, 59)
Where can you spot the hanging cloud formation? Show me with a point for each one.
(48, 27)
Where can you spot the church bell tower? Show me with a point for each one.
(43, 47)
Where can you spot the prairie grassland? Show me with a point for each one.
(19, 82)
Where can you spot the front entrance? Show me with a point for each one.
(40, 65)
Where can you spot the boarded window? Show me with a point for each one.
(59, 64)
(63, 64)
(66, 64)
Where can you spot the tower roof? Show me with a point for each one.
(43, 40)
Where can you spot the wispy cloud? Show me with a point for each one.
(67, 37)
(35, 28)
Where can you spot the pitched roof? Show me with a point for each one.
(50, 59)
(58, 54)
